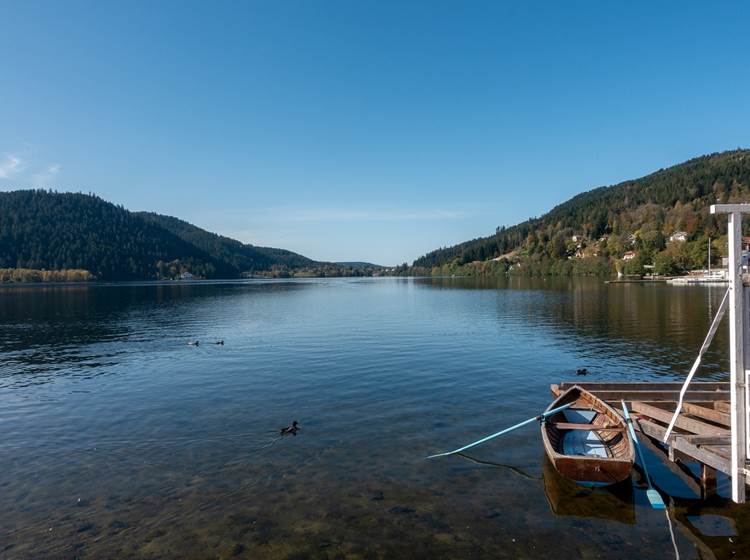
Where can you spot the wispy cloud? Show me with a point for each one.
(20, 168)
(11, 165)
(44, 177)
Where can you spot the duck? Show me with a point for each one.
(582, 371)
(193, 342)
(290, 429)
(220, 342)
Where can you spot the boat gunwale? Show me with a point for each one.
(611, 412)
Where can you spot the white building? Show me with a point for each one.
(680, 236)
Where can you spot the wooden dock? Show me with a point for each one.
(702, 432)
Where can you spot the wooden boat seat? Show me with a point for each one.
(590, 427)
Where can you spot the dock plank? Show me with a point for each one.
(645, 395)
(707, 413)
(721, 450)
(651, 385)
(709, 440)
(688, 424)
(723, 406)
(705, 456)
(654, 430)
(702, 392)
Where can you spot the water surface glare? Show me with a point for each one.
(119, 440)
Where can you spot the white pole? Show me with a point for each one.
(737, 357)
(737, 338)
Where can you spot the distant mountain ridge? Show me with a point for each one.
(358, 264)
(244, 257)
(48, 230)
(605, 223)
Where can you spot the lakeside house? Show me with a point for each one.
(629, 255)
(186, 276)
(678, 236)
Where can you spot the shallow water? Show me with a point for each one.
(120, 440)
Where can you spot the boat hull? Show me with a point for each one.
(607, 453)
(604, 471)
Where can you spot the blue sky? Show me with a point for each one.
(363, 131)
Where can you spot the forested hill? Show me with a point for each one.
(241, 256)
(639, 215)
(59, 231)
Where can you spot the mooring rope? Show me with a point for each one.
(671, 533)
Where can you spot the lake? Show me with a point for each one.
(119, 440)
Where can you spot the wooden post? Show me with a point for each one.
(708, 481)
(738, 324)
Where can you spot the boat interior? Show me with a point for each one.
(587, 429)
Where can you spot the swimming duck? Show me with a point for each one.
(193, 342)
(582, 371)
(221, 342)
(290, 429)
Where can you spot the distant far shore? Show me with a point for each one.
(80, 276)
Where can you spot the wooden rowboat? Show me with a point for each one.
(589, 441)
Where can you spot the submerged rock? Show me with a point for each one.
(85, 527)
(711, 525)
(401, 509)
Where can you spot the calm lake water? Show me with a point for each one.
(121, 441)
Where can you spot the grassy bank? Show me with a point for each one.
(9, 275)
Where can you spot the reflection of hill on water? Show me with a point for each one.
(566, 498)
(46, 328)
(87, 301)
(603, 320)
